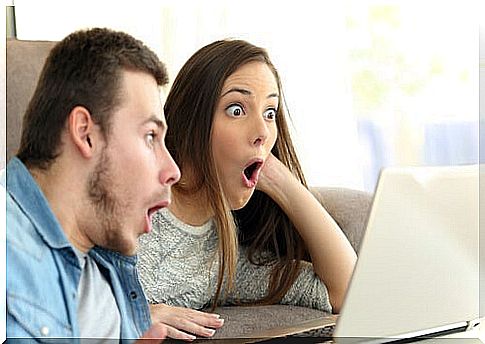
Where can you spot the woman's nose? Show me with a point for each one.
(260, 132)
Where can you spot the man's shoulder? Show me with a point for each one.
(35, 297)
(21, 232)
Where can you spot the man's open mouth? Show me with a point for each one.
(157, 207)
(151, 211)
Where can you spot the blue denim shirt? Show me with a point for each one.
(43, 271)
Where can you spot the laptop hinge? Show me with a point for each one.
(472, 324)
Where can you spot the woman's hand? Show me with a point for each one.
(273, 174)
(332, 255)
(185, 323)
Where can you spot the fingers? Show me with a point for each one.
(193, 327)
(184, 323)
(173, 333)
(154, 335)
(203, 319)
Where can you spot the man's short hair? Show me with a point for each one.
(84, 69)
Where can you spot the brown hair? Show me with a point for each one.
(262, 225)
(84, 69)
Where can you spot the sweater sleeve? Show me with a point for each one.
(252, 284)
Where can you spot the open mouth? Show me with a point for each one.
(251, 173)
(151, 211)
(157, 207)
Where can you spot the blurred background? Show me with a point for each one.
(368, 84)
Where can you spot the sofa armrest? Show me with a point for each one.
(349, 208)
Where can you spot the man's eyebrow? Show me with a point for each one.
(154, 119)
(246, 92)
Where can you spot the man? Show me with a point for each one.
(91, 170)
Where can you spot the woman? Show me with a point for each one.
(242, 224)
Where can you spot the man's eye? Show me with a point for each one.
(270, 114)
(235, 110)
(150, 138)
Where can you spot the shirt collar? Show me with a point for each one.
(22, 187)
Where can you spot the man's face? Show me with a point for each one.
(134, 171)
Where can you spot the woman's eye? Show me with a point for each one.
(235, 110)
(270, 114)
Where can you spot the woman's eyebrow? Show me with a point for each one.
(237, 89)
(273, 95)
(246, 92)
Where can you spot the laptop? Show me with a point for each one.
(417, 274)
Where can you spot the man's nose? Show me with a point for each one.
(169, 171)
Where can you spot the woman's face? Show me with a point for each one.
(244, 129)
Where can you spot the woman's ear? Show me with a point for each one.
(82, 131)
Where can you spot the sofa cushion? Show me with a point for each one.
(349, 208)
(24, 63)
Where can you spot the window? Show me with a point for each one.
(368, 83)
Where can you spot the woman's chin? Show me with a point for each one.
(241, 200)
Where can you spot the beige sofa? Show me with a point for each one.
(348, 207)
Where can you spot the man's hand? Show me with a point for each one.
(154, 335)
(185, 323)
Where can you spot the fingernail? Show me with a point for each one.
(210, 332)
(221, 321)
(216, 315)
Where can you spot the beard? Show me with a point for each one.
(107, 225)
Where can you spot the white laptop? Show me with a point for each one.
(417, 273)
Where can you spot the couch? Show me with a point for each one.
(348, 207)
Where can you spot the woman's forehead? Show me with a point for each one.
(251, 77)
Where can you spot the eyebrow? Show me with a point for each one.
(154, 119)
(246, 92)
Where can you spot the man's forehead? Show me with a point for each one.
(163, 93)
(142, 99)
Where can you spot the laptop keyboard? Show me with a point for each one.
(317, 335)
(322, 332)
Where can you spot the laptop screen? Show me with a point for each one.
(418, 263)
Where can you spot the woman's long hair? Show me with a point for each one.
(261, 225)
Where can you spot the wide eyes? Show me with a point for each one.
(237, 110)
(270, 114)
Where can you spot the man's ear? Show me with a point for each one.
(82, 131)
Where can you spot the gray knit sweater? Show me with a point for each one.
(178, 266)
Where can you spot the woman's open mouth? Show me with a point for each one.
(250, 173)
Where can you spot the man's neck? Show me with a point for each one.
(65, 200)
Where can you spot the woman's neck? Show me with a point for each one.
(192, 209)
